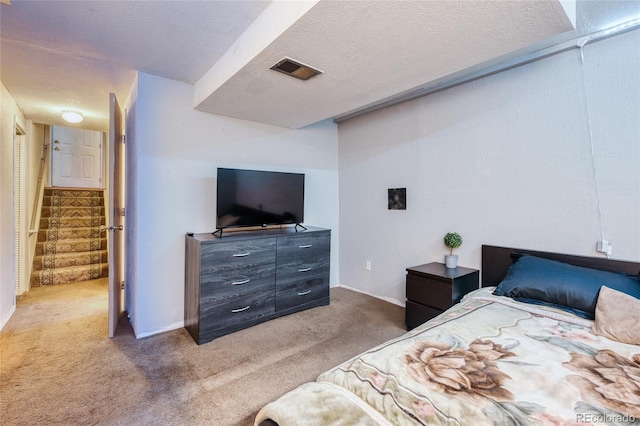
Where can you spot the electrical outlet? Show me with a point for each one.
(368, 265)
(603, 246)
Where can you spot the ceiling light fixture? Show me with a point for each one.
(295, 69)
(72, 116)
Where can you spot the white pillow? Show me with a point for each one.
(617, 316)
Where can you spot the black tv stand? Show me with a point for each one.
(300, 225)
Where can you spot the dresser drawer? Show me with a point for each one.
(228, 257)
(224, 312)
(299, 288)
(303, 246)
(217, 287)
(427, 291)
(241, 278)
(302, 266)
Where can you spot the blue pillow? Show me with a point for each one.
(571, 288)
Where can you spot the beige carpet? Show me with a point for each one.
(57, 367)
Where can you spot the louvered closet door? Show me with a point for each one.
(17, 210)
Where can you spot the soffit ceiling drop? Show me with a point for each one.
(57, 55)
(370, 50)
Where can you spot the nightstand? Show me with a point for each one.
(433, 288)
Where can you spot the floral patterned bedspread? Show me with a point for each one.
(487, 361)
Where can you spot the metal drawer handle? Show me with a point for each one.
(304, 270)
(302, 293)
(235, 311)
(305, 246)
(241, 254)
(240, 282)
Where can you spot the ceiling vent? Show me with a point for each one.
(295, 69)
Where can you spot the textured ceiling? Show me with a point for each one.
(57, 55)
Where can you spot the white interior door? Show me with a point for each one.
(76, 158)
(115, 215)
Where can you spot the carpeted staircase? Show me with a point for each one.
(70, 246)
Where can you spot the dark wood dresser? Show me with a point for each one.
(433, 288)
(249, 277)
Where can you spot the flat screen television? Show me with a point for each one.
(258, 198)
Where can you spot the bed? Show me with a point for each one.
(542, 343)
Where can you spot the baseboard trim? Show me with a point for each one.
(180, 324)
(174, 326)
(8, 317)
(386, 299)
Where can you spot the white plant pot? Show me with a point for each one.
(451, 261)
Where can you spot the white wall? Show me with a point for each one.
(9, 113)
(177, 153)
(505, 160)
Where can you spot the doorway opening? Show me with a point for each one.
(82, 209)
(71, 241)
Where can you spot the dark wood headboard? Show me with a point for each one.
(496, 262)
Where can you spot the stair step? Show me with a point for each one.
(75, 193)
(71, 222)
(70, 246)
(69, 234)
(67, 246)
(49, 200)
(63, 260)
(70, 274)
(67, 211)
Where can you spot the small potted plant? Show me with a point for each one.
(452, 240)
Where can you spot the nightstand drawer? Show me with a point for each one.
(427, 291)
(432, 289)
(417, 314)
